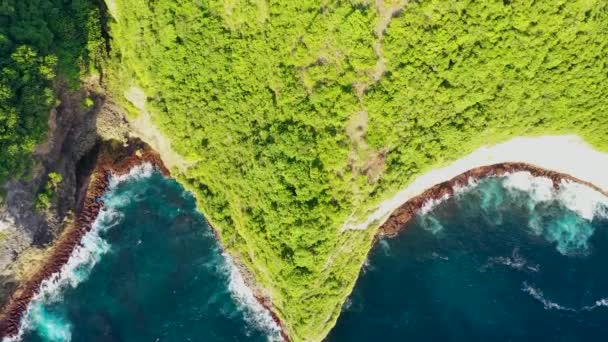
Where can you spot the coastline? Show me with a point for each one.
(408, 210)
(113, 159)
(117, 159)
(568, 155)
(249, 281)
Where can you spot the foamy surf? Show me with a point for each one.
(144, 170)
(539, 296)
(585, 201)
(571, 229)
(242, 294)
(430, 204)
(53, 326)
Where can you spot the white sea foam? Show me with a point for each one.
(144, 170)
(550, 305)
(570, 230)
(538, 295)
(242, 294)
(52, 326)
(367, 265)
(468, 186)
(582, 199)
(430, 224)
(515, 261)
(430, 204)
(85, 256)
(540, 189)
(598, 304)
(385, 247)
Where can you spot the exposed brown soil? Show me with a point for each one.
(396, 222)
(113, 159)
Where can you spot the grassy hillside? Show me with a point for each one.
(39, 39)
(301, 115)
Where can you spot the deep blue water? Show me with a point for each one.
(508, 260)
(150, 271)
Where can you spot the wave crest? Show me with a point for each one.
(54, 326)
(569, 229)
(538, 295)
(255, 313)
(579, 198)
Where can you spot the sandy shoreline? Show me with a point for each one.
(110, 161)
(566, 155)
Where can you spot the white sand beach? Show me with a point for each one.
(567, 154)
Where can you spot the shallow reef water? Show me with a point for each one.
(506, 259)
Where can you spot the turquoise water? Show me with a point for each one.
(509, 259)
(150, 270)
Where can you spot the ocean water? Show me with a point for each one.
(505, 259)
(150, 270)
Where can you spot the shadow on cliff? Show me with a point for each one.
(70, 149)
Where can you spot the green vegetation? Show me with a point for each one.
(45, 197)
(39, 39)
(88, 102)
(299, 115)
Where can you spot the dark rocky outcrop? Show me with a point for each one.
(112, 159)
(71, 140)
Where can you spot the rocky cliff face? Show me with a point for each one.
(70, 149)
(112, 158)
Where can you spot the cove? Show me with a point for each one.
(149, 270)
(506, 258)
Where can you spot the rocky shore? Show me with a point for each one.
(403, 214)
(259, 295)
(113, 158)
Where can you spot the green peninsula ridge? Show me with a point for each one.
(291, 118)
(297, 116)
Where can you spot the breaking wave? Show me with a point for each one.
(50, 325)
(242, 294)
(141, 171)
(432, 203)
(53, 326)
(538, 295)
(579, 198)
(562, 216)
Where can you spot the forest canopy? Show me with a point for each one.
(39, 39)
(297, 116)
